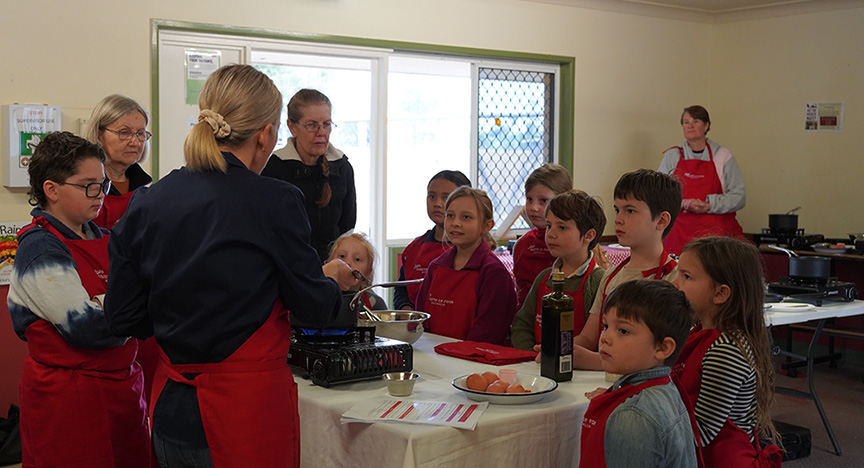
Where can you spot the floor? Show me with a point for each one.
(842, 393)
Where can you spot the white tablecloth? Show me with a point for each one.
(541, 434)
(826, 311)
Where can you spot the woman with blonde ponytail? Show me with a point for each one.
(318, 168)
(209, 260)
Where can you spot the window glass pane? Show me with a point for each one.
(350, 92)
(428, 130)
(514, 135)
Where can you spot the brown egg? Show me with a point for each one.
(516, 388)
(499, 386)
(476, 382)
(490, 377)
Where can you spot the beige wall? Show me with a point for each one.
(633, 75)
(762, 74)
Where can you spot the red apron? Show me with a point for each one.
(731, 446)
(415, 261)
(698, 180)
(113, 208)
(248, 401)
(452, 301)
(82, 408)
(530, 257)
(578, 303)
(594, 423)
(662, 270)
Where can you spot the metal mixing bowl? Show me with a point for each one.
(402, 325)
(400, 384)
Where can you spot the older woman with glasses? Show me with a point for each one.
(320, 170)
(118, 124)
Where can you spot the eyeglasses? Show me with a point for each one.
(126, 135)
(313, 127)
(93, 189)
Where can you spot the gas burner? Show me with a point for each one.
(815, 290)
(356, 355)
(793, 239)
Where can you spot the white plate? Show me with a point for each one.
(834, 251)
(538, 385)
(791, 307)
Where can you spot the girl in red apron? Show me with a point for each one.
(722, 278)
(698, 180)
(82, 403)
(467, 290)
(530, 254)
(415, 259)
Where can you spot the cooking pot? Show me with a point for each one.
(784, 222)
(346, 318)
(806, 267)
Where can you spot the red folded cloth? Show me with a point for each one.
(485, 352)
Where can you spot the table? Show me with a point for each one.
(541, 434)
(830, 310)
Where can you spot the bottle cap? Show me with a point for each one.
(557, 275)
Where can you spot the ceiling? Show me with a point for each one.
(711, 11)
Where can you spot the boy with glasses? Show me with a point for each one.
(78, 376)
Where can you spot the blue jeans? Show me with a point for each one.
(172, 455)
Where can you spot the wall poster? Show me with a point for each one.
(823, 117)
(199, 65)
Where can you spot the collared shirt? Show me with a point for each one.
(650, 429)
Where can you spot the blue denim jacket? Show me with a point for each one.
(650, 429)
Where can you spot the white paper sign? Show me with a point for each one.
(438, 413)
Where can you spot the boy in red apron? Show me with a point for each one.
(641, 420)
(421, 251)
(530, 254)
(81, 390)
(574, 222)
(646, 204)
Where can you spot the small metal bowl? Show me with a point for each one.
(400, 384)
(402, 325)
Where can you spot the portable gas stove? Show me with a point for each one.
(340, 358)
(814, 291)
(793, 239)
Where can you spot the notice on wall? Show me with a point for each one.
(199, 65)
(8, 248)
(27, 124)
(823, 117)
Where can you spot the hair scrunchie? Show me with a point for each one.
(220, 127)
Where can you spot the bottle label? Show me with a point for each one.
(565, 364)
(566, 321)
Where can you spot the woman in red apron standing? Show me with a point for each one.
(467, 290)
(725, 365)
(82, 403)
(711, 184)
(209, 261)
(119, 125)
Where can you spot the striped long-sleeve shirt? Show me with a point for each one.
(728, 387)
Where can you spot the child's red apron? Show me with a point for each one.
(415, 261)
(731, 446)
(452, 300)
(698, 180)
(530, 257)
(659, 272)
(248, 401)
(113, 208)
(594, 423)
(578, 303)
(82, 408)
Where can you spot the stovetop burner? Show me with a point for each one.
(815, 290)
(794, 239)
(357, 354)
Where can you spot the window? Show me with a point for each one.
(403, 114)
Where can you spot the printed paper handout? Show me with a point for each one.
(439, 413)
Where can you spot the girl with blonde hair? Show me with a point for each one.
(467, 290)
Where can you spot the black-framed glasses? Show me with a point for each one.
(126, 135)
(313, 127)
(93, 189)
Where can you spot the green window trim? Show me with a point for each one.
(567, 67)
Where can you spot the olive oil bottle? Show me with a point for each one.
(556, 346)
